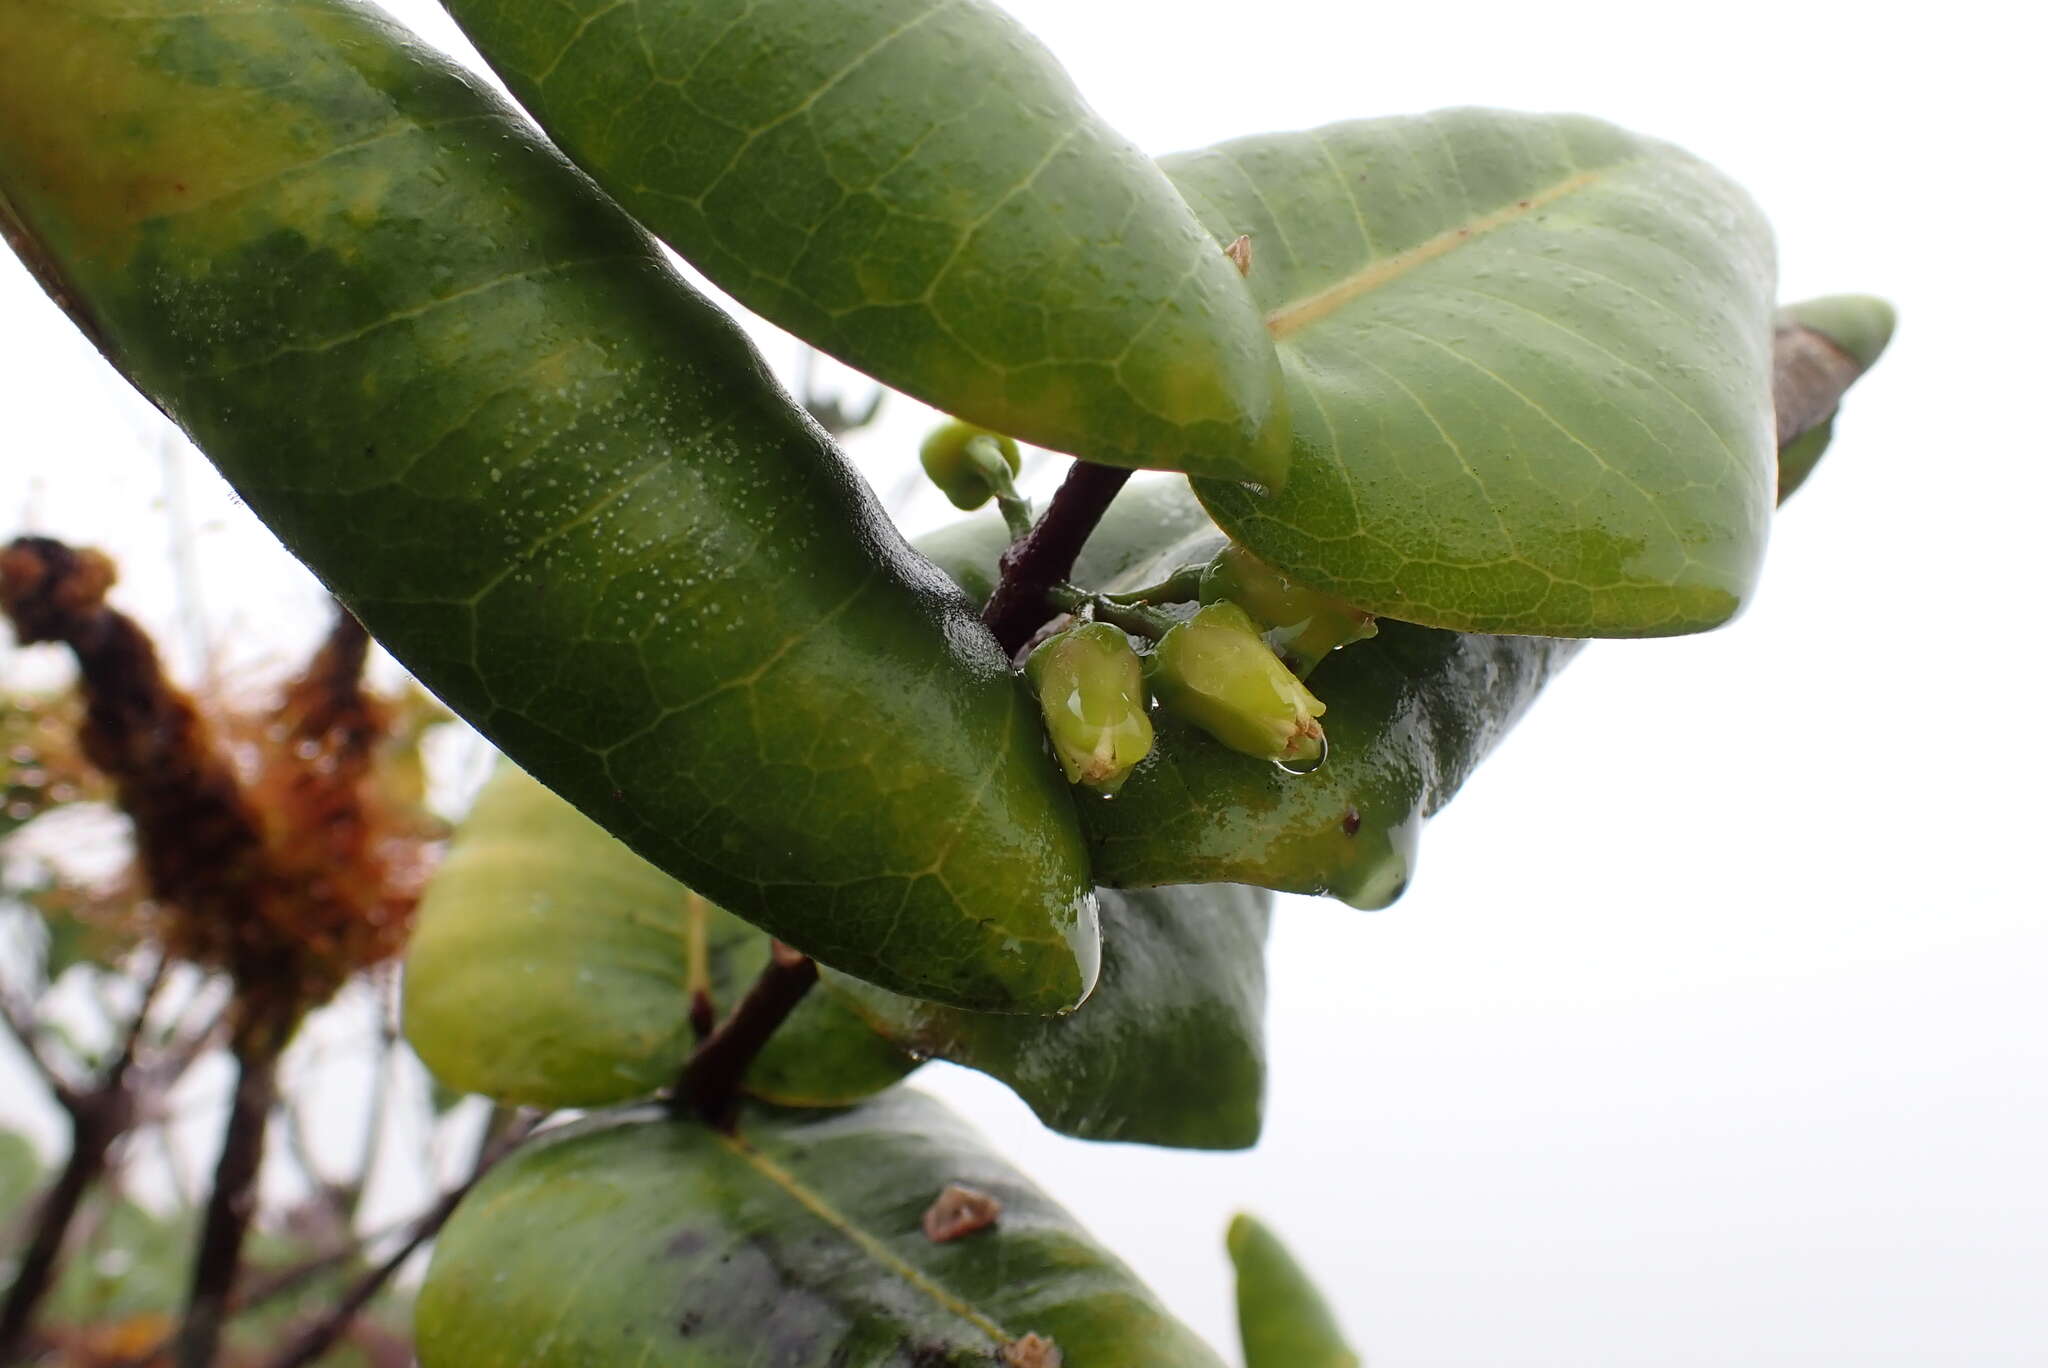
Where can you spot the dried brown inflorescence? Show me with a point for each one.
(286, 847)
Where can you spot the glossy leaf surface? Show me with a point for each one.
(552, 479)
(1170, 1050)
(553, 967)
(1282, 1319)
(1528, 359)
(640, 1240)
(916, 187)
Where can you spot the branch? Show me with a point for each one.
(233, 1203)
(316, 1339)
(709, 1085)
(99, 1118)
(27, 1034)
(1045, 556)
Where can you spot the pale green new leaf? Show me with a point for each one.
(640, 1240)
(916, 187)
(1528, 359)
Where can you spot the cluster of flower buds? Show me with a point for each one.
(1217, 671)
(1303, 624)
(1091, 690)
(970, 464)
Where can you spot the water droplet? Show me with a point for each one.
(1308, 764)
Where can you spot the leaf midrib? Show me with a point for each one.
(1291, 318)
(866, 1243)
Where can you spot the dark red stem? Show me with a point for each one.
(1045, 555)
(709, 1086)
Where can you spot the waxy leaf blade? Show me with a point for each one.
(558, 484)
(1528, 360)
(798, 1242)
(551, 966)
(1282, 1319)
(1170, 1049)
(916, 187)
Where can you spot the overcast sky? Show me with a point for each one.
(1713, 1028)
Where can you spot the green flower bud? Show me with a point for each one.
(1215, 671)
(1091, 690)
(970, 464)
(1303, 624)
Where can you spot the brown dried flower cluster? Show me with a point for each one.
(286, 845)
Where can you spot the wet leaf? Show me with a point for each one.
(553, 967)
(1409, 714)
(555, 482)
(1529, 365)
(1282, 1319)
(916, 187)
(638, 1239)
(1170, 1050)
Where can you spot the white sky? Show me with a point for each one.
(1713, 1029)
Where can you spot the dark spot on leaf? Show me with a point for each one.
(689, 1323)
(688, 1241)
(1351, 821)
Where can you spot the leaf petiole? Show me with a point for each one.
(1136, 619)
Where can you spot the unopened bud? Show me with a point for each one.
(968, 463)
(1303, 624)
(1215, 671)
(1091, 690)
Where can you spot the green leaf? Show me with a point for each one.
(916, 187)
(640, 1240)
(1528, 359)
(1170, 1050)
(555, 482)
(1409, 715)
(553, 967)
(1282, 1319)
